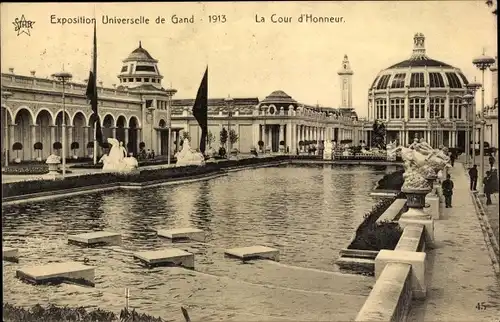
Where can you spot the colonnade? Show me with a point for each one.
(291, 134)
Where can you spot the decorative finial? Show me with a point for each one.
(484, 51)
(418, 45)
(140, 44)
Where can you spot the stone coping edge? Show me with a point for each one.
(489, 236)
(346, 162)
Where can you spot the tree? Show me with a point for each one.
(233, 137)
(57, 146)
(38, 146)
(223, 137)
(17, 147)
(378, 137)
(75, 146)
(210, 139)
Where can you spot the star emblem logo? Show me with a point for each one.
(23, 26)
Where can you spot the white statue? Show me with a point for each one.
(328, 150)
(116, 160)
(188, 156)
(421, 163)
(123, 150)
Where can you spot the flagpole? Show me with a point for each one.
(95, 143)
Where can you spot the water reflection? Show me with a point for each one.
(308, 212)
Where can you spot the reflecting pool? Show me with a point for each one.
(308, 212)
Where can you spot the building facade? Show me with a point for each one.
(137, 110)
(491, 112)
(420, 97)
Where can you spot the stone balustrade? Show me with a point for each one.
(390, 298)
(394, 210)
(400, 276)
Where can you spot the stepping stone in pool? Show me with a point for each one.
(182, 234)
(166, 257)
(10, 254)
(98, 238)
(72, 272)
(254, 252)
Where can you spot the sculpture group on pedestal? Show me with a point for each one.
(328, 150)
(422, 164)
(188, 156)
(116, 160)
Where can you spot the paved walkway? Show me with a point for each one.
(462, 285)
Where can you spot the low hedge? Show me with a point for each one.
(29, 169)
(391, 181)
(35, 186)
(142, 163)
(54, 313)
(371, 235)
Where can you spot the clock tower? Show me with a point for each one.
(345, 74)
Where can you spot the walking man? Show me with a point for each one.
(473, 177)
(488, 188)
(452, 158)
(491, 159)
(447, 186)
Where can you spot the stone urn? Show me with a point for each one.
(17, 160)
(75, 157)
(39, 159)
(415, 200)
(268, 151)
(53, 162)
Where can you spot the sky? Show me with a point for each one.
(246, 58)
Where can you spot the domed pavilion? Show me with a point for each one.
(420, 97)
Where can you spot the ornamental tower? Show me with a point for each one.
(345, 74)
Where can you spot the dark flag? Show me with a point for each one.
(92, 92)
(200, 110)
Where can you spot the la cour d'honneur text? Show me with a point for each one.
(116, 20)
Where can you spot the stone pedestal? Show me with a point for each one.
(53, 162)
(415, 259)
(415, 200)
(427, 223)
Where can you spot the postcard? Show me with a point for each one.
(250, 161)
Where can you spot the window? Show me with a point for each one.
(381, 109)
(145, 68)
(375, 81)
(417, 108)
(398, 81)
(453, 80)
(436, 108)
(147, 80)
(138, 80)
(455, 108)
(124, 69)
(436, 80)
(417, 80)
(384, 80)
(397, 108)
(462, 76)
(124, 80)
(131, 80)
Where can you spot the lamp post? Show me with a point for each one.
(63, 77)
(229, 103)
(170, 92)
(482, 63)
(6, 95)
(467, 103)
(472, 87)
